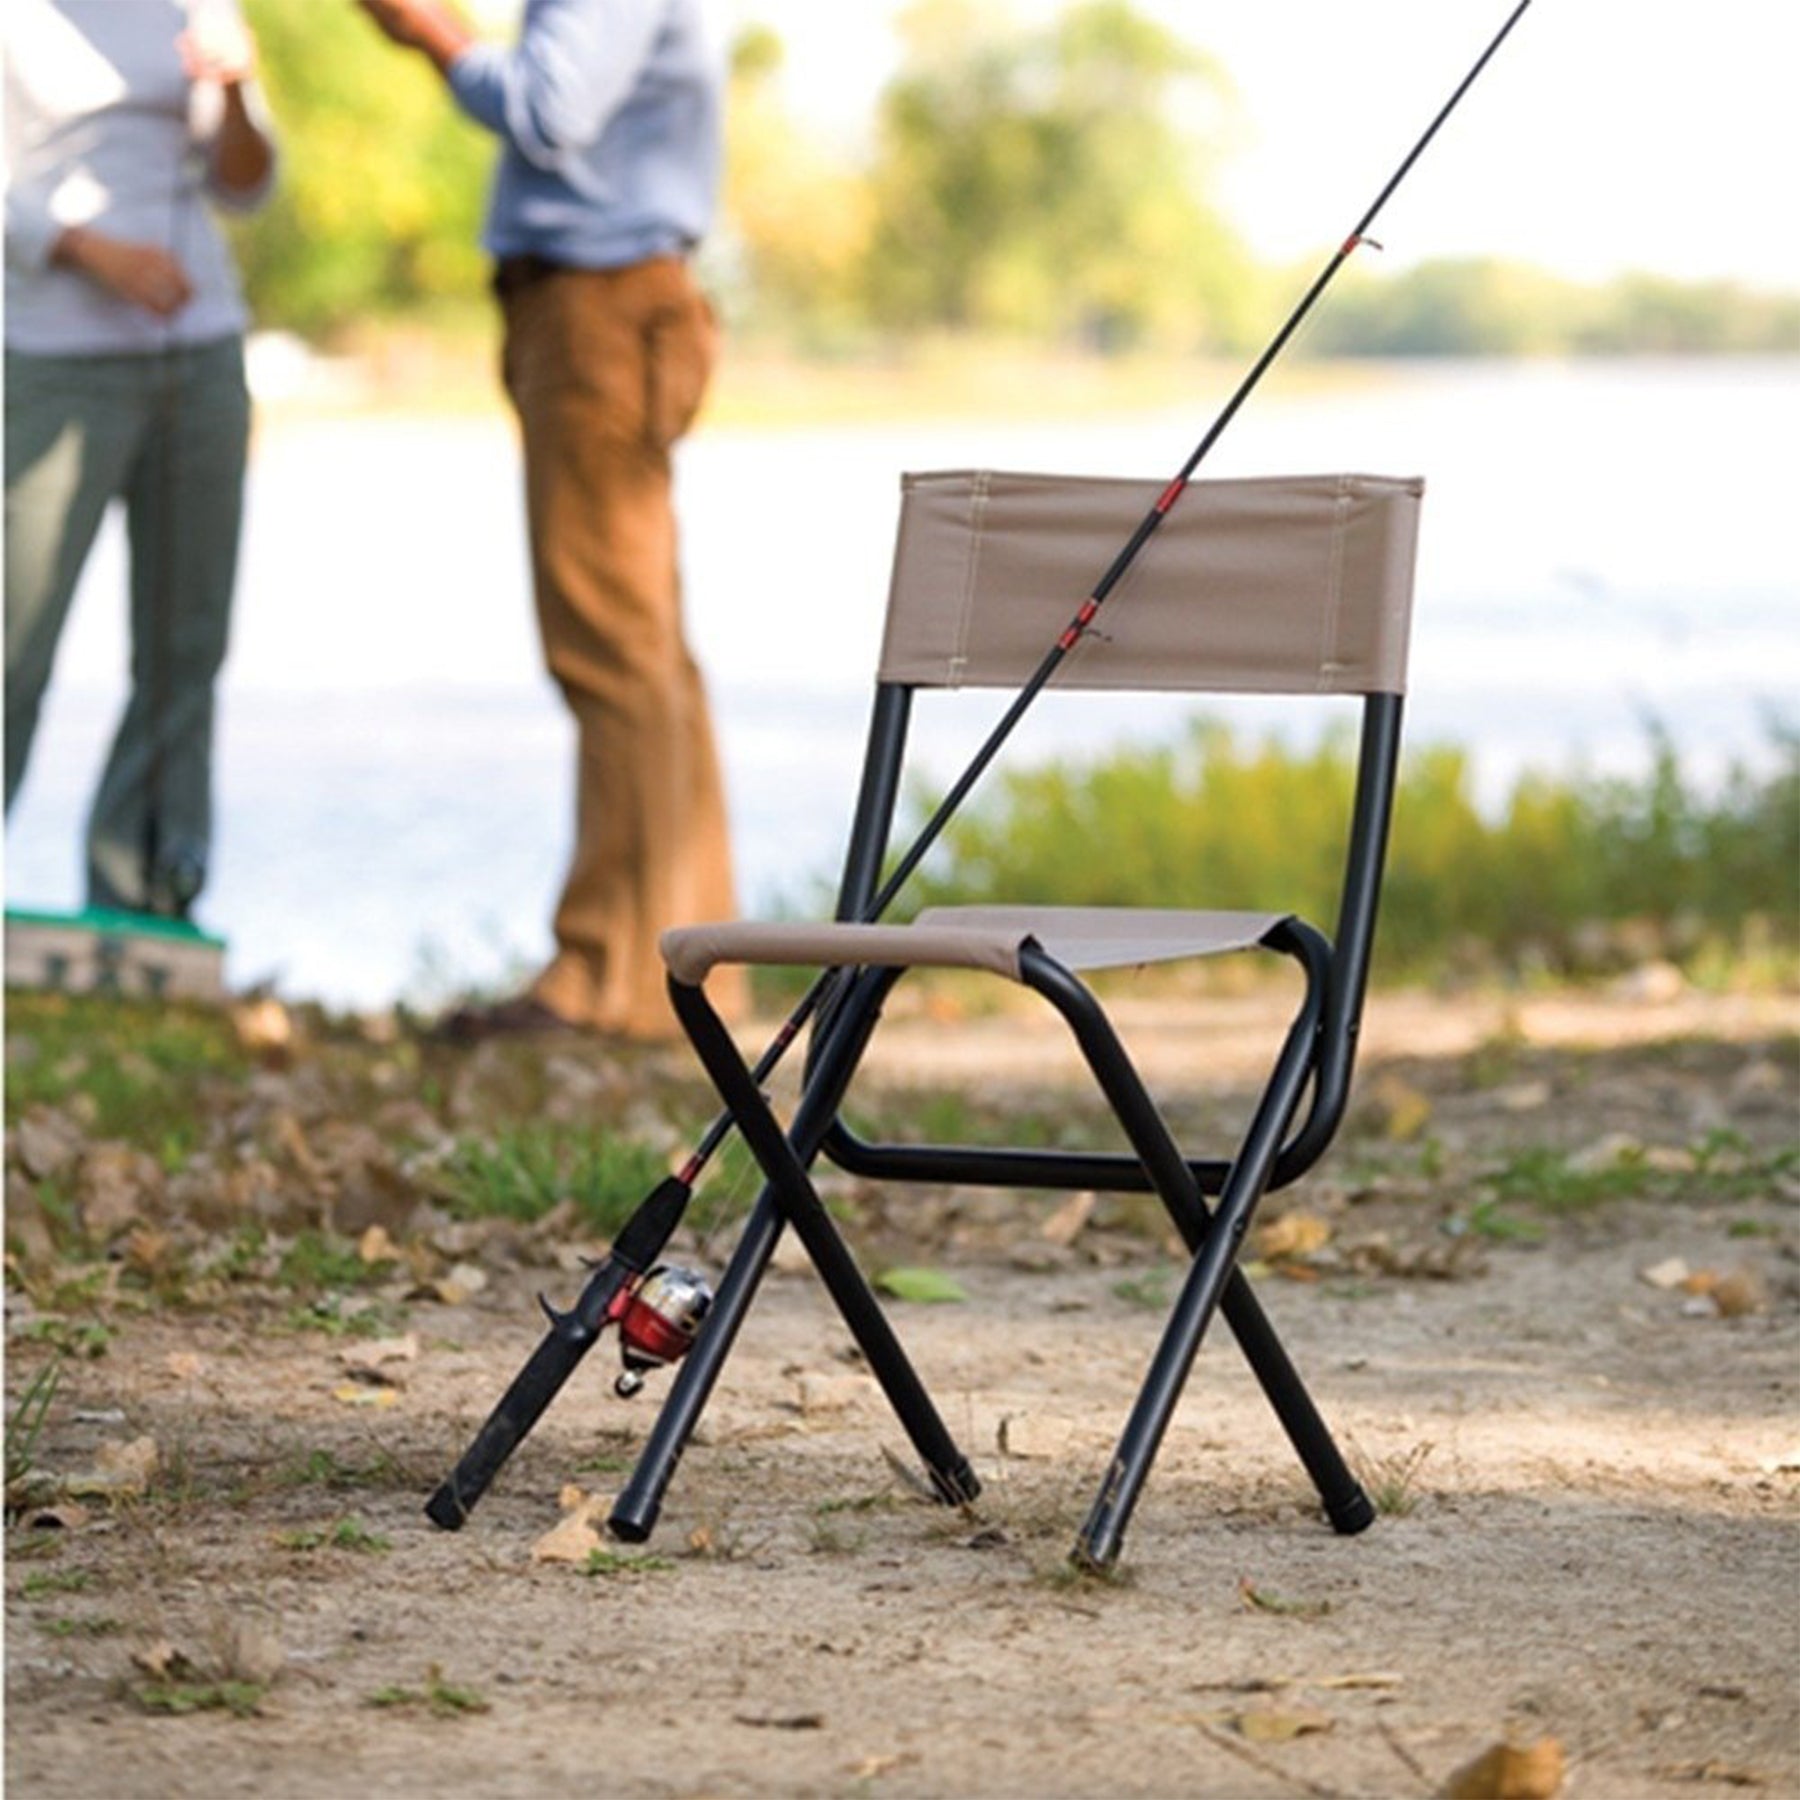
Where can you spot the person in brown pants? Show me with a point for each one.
(608, 115)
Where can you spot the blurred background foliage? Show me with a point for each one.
(1048, 180)
(1573, 874)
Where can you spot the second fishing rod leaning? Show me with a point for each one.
(659, 1312)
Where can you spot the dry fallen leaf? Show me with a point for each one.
(817, 1393)
(163, 1662)
(1405, 1111)
(1069, 1220)
(376, 1246)
(462, 1282)
(372, 1353)
(872, 1766)
(1261, 1600)
(1739, 1294)
(1293, 1234)
(1510, 1772)
(1272, 1725)
(116, 1188)
(251, 1652)
(575, 1537)
(120, 1472)
(352, 1394)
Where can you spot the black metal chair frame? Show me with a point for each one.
(1210, 1201)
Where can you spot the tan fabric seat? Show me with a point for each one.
(969, 937)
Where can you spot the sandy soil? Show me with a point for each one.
(1590, 1484)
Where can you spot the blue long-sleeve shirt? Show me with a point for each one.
(608, 113)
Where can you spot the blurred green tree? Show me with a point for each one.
(1032, 180)
(796, 217)
(382, 184)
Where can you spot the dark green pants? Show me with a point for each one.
(166, 434)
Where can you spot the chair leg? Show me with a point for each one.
(790, 1197)
(1102, 1535)
(1346, 1505)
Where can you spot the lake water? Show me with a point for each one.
(1602, 544)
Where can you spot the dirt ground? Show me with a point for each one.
(1579, 1420)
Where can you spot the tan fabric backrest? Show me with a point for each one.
(1292, 584)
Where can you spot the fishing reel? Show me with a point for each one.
(657, 1321)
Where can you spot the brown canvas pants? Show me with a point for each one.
(606, 369)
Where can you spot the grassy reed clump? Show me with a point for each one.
(1577, 874)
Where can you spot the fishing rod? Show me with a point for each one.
(660, 1310)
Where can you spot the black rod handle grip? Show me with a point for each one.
(552, 1363)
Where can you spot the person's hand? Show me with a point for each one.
(217, 46)
(398, 19)
(145, 275)
(426, 25)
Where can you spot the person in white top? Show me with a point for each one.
(124, 333)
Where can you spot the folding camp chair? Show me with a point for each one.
(1289, 586)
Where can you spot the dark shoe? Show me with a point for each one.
(522, 1016)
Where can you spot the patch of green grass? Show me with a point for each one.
(441, 1698)
(1263, 1600)
(326, 1469)
(337, 1316)
(921, 1286)
(1753, 1228)
(342, 1534)
(25, 1423)
(56, 1581)
(30, 1546)
(1075, 1574)
(1153, 1291)
(951, 1116)
(1549, 1178)
(610, 1564)
(242, 1699)
(1553, 1180)
(1487, 1220)
(605, 1462)
(523, 1171)
(833, 1534)
(81, 1339)
(72, 1627)
(1391, 1482)
(886, 1500)
(140, 1067)
(318, 1262)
